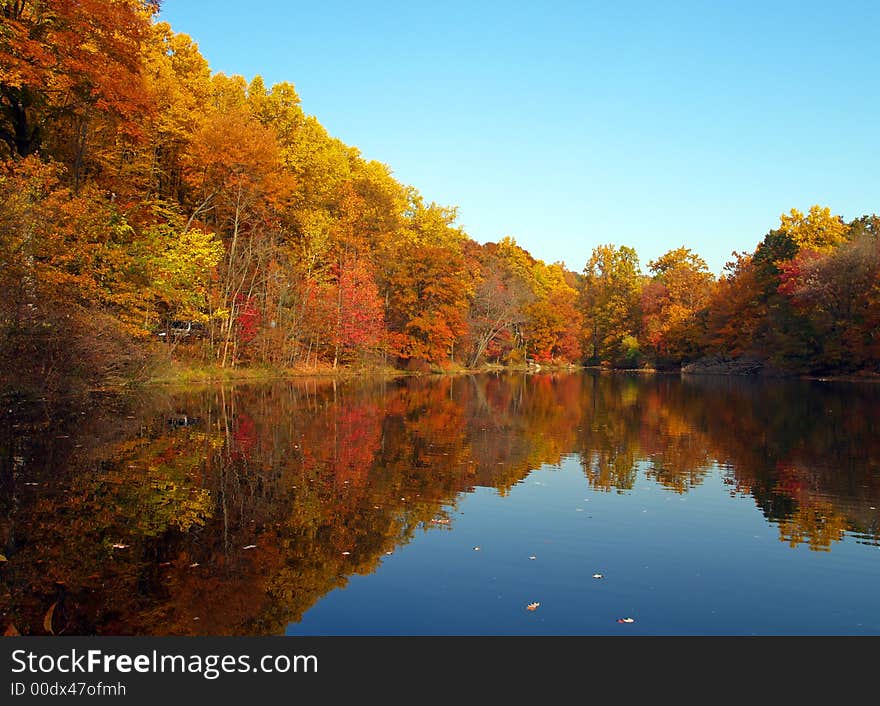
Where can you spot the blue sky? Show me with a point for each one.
(567, 125)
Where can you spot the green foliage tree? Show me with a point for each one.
(610, 291)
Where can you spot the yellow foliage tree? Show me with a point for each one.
(817, 230)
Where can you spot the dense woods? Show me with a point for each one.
(138, 189)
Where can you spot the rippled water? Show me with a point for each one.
(447, 506)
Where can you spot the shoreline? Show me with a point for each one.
(179, 375)
(213, 375)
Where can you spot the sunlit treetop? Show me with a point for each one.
(818, 230)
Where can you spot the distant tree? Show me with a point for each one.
(672, 302)
(610, 301)
(497, 309)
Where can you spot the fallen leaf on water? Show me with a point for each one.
(192, 566)
(11, 631)
(532, 606)
(120, 545)
(598, 576)
(47, 620)
(533, 558)
(625, 620)
(476, 549)
(346, 553)
(250, 546)
(441, 521)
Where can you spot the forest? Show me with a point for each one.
(139, 189)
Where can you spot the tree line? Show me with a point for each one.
(139, 188)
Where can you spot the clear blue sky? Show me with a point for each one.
(570, 124)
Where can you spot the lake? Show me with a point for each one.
(546, 504)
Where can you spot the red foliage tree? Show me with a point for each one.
(360, 323)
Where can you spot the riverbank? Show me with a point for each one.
(178, 373)
(746, 366)
(187, 373)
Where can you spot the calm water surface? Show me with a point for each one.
(446, 506)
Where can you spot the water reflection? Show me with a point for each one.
(233, 510)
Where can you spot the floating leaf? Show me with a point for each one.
(346, 553)
(625, 620)
(441, 521)
(476, 549)
(533, 558)
(250, 546)
(532, 606)
(119, 545)
(598, 576)
(47, 619)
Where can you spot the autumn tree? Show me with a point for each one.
(554, 322)
(497, 310)
(83, 283)
(610, 302)
(236, 183)
(178, 80)
(784, 336)
(671, 303)
(359, 325)
(427, 285)
(837, 291)
(817, 230)
(735, 310)
(70, 76)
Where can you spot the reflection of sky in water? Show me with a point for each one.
(703, 562)
(710, 506)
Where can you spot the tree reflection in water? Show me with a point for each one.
(239, 518)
